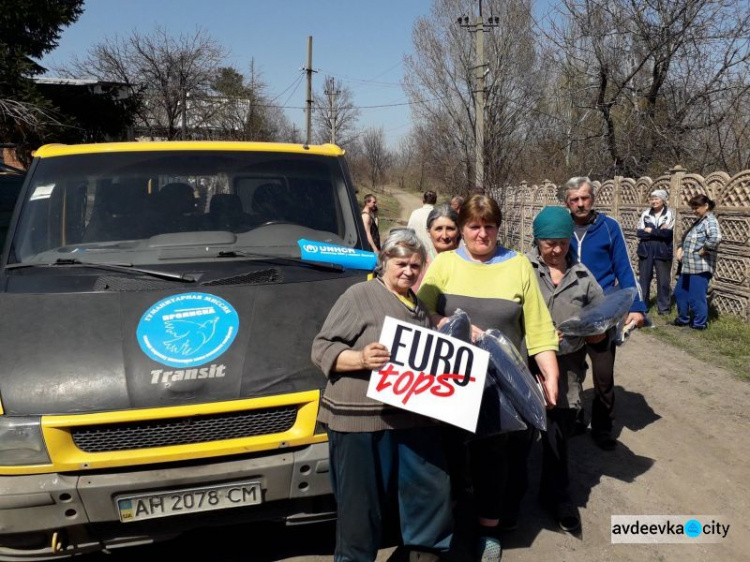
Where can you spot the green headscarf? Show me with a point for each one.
(553, 222)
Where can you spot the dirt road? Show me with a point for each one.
(684, 442)
(408, 202)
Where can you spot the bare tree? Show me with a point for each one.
(28, 115)
(376, 154)
(660, 77)
(404, 160)
(727, 146)
(334, 110)
(167, 71)
(441, 82)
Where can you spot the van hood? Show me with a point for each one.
(65, 353)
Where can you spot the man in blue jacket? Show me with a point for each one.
(599, 244)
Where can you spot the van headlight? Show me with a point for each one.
(21, 441)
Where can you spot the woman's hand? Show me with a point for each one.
(438, 321)
(637, 318)
(560, 336)
(374, 356)
(547, 362)
(475, 333)
(679, 254)
(550, 390)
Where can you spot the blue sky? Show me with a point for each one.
(362, 43)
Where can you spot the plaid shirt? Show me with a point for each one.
(699, 246)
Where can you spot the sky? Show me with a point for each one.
(360, 43)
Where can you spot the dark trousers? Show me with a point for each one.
(365, 467)
(555, 482)
(456, 457)
(498, 472)
(663, 268)
(602, 357)
(690, 295)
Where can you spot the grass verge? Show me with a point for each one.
(726, 341)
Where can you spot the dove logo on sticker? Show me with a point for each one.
(188, 329)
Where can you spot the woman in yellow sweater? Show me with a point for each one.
(498, 289)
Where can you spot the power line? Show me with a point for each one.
(397, 104)
(299, 81)
(295, 81)
(399, 63)
(357, 106)
(365, 81)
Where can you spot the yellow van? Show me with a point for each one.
(155, 343)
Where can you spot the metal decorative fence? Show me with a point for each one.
(625, 199)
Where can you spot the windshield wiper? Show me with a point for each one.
(270, 257)
(119, 267)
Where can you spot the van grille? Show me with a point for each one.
(183, 431)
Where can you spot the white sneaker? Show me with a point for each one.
(489, 549)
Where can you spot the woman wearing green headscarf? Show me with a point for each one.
(567, 286)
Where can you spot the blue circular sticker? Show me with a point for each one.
(188, 329)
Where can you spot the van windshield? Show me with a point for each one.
(145, 207)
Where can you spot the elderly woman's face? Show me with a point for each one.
(554, 250)
(402, 272)
(444, 234)
(657, 203)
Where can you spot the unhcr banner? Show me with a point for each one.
(351, 258)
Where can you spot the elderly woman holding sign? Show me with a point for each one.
(497, 288)
(374, 446)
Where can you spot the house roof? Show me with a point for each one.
(77, 82)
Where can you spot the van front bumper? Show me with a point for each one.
(52, 515)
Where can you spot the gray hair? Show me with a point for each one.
(402, 242)
(576, 183)
(442, 211)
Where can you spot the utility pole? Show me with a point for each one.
(332, 92)
(309, 70)
(183, 93)
(479, 28)
(251, 113)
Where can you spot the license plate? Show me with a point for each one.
(191, 500)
